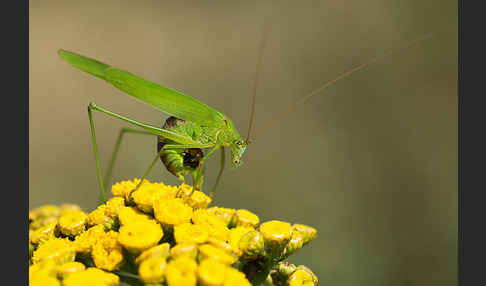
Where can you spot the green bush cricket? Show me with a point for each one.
(193, 125)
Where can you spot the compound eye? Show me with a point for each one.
(239, 143)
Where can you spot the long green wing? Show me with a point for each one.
(165, 99)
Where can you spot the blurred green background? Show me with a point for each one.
(371, 162)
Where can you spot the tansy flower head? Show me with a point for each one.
(99, 217)
(276, 235)
(151, 270)
(306, 232)
(190, 233)
(184, 249)
(302, 277)
(211, 272)
(84, 242)
(161, 250)
(198, 200)
(246, 218)
(172, 211)
(93, 277)
(44, 233)
(123, 189)
(69, 268)
(147, 194)
(107, 252)
(226, 214)
(43, 268)
(208, 251)
(235, 236)
(139, 236)
(234, 277)
(113, 206)
(44, 281)
(181, 272)
(72, 223)
(251, 245)
(126, 215)
(58, 250)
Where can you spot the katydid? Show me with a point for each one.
(193, 125)
(200, 126)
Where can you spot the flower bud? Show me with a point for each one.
(252, 245)
(276, 235)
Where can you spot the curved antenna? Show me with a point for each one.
(351, 71)
(257, 76)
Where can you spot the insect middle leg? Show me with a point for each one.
(114, 155)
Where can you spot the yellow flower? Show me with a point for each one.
(69, 268)
(113, 206)
(161, 250)
(251, 245)
(91, 277)
(123, 188)
(181, 272)
(44, 212)
(306, 232)
(126, 215)
(72, 223)
(139, 236)
(172, 211)
(45, 268)
(190, 233)
(198, 200)
(107, 252)
(211, 272)
(235, 236)
(146, 195)
(215, 225)
(44, 233)
(44, 281)
(234, 277)
(226, 214)
(303, 276)
(99, 217)
(188, 249)
(208, 251)
(58, 250)
(276, 235)
(151, 270)
(246, 218)
(84, 242)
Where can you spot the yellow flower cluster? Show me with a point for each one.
(161, 235)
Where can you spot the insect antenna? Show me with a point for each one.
(349, 72)
(261, 49)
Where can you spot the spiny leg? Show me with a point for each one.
(213, 190)
(123, 130)
(97, 159)
(199, 175)
(152, 129)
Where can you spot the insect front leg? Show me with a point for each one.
(170, 146)
(199, 171)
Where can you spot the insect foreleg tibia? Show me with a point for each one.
(198, 176)
(123, 130)
(223, 160)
